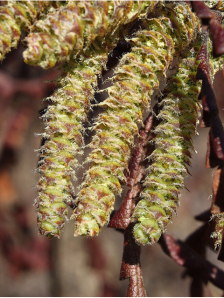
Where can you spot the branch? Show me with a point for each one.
(122, 217)
(212, 19)
(131, 267)
(183, 255)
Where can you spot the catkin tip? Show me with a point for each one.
(86, 225)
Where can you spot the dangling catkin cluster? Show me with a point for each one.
(79, 36)
(173, 141)
(64, 125)
(14, 17)
(133, 87)
(136, 78)
(64, 130)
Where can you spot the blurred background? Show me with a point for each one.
(32, 265)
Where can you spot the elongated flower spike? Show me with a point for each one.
(136, 78)
(14, 17)
(64, 130)
(173, 141)
(64, 119)
(72, 28)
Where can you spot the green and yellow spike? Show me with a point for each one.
(219, 228)
(64, 127)
(215, 4)
(173, 142)
(14, 17)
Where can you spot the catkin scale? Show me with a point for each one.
(173, 141)
(17, 15)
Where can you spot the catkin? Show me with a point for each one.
(72, 28)
(215, 4)
(64, 126)
(14, 17)
(173, 141)
(219, 228)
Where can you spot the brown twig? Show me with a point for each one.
(131, 267)
(210, 118)
(122, 217)
(183, 255)
(197, 241)
(212, 20)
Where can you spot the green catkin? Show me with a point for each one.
(217, 64)
(173, 141)
(72, 28)
(215, 4)
(14, 17)
(65, 117)
(136, 78)
(219, 228)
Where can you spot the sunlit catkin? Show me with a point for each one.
(63, 132)
(180, 110)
